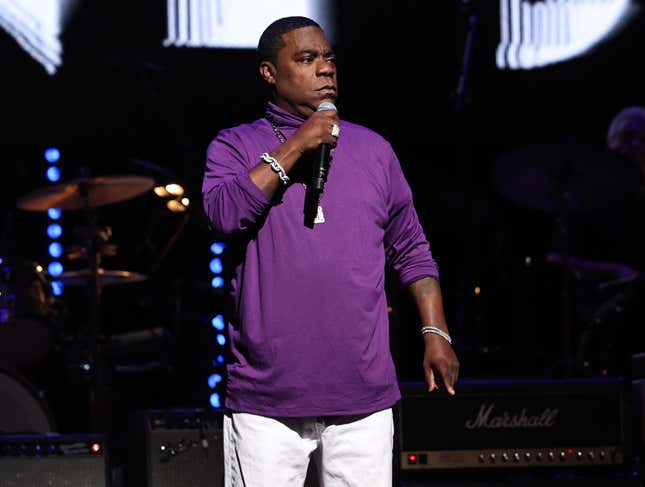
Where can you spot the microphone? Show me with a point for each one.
(322, 157)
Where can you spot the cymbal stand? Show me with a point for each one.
(94, 365)
(467, 311)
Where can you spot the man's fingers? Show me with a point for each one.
(430, 379)
(449, 377)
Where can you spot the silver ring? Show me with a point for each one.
(335, 130)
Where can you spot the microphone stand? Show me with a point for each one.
(464, 161)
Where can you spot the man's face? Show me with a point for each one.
(304, 74)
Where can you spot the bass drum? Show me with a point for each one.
(21, 409)
(27, 310)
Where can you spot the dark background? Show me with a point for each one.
(120, 97)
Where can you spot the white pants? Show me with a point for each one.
(349, 451)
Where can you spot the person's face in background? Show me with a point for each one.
(632, 142)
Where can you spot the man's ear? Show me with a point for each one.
(267, 71)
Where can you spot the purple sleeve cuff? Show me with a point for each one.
(419, 271)
(256, 197)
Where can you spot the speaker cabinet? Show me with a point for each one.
(183, 448)
(53, 461)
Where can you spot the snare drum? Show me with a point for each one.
(27, 307)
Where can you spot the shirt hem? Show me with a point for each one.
(306, 412)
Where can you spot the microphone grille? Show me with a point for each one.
(326, 105)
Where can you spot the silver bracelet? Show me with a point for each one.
(436, 331)
(277, 168)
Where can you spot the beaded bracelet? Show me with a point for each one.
(436, 331)
(277, 168)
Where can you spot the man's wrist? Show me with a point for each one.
(436, 331)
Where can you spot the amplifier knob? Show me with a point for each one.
(539, 456)
(579, 455)
(493, 458)
(602, 454)
(527, 456)
(591, 456)
(551, 456)
(563, 456)
(504, 457)
(481, 458)
(516, 457)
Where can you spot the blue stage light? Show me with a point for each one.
(55, 250)
(52, 155)
(215, 400)
(216, 266)
(54, 230)
(221, 339)
(218, 322)
(218, 248)
(217, 282)
(55, 268)
(53, 174)
(220, 359)
(54, 213)
(57, 288)
(213, 380)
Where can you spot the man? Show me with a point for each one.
(311, 371)
(626, 134)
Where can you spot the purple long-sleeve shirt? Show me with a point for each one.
(309, 330)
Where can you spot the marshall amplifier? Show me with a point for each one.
(53, 460)
(512, 424)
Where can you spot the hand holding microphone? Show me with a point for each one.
(322, 155)
(326, 117)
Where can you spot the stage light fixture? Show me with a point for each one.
(54, 231)
(53, 174)
(54, 213)
(534, 34)
(57, 288)
(55, 250)
(218, 322)
(235, 24)
(215, 400)
(217, 248)
(52, 155)
(55, 268)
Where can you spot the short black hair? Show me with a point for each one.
(271, 39)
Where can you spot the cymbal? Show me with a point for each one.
(105, 277)
(565, 176)
(606, 272)
(82, 193)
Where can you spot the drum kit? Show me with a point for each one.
(28, 307)
(568, 179)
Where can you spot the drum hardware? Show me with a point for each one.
(76, 252)
(565, 178)
(87, 194)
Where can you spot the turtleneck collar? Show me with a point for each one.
(282, 118)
